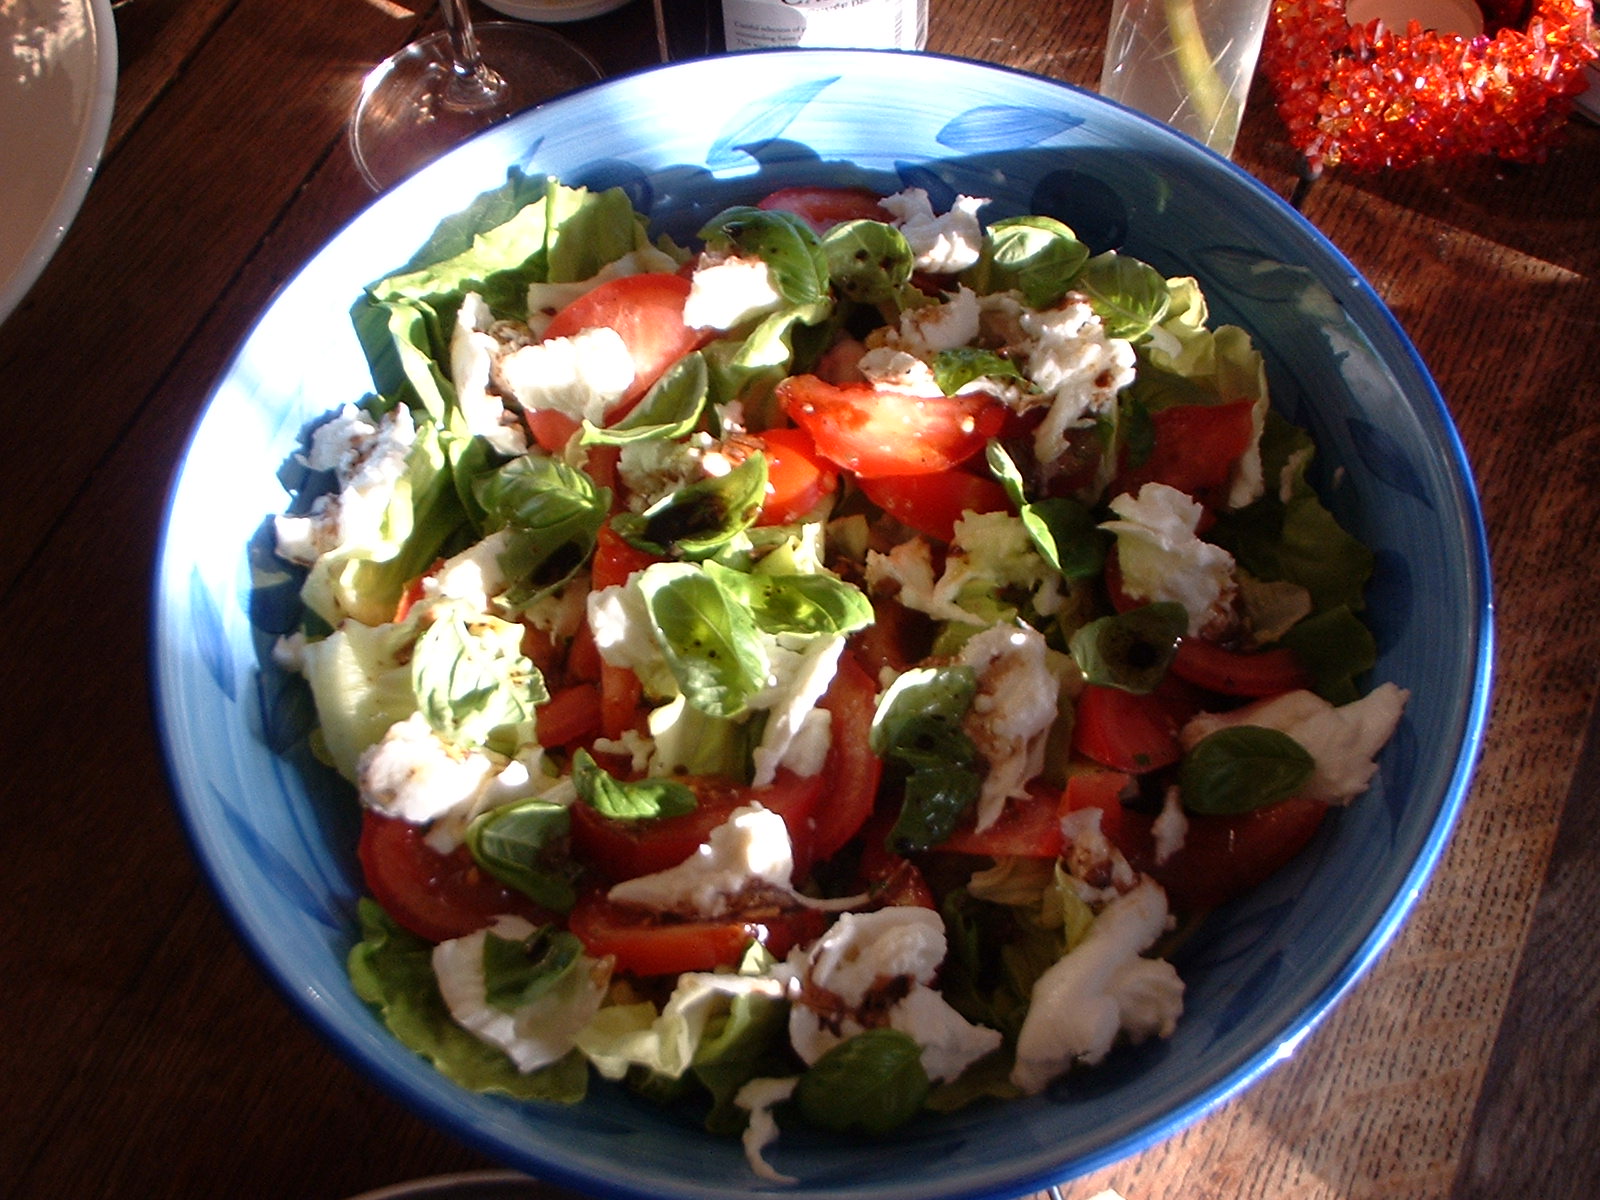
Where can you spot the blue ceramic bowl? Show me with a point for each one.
(685, 141)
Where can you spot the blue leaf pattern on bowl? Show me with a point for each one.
(941, 195)
(1399, 765)
(762, 120)
(1243, 1003)
(1253, 274)
(210, 639)
(1385, 459)
(286, 881)
(1242, 935)
(1390, 598)
(1004, 126)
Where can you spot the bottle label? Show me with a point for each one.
(851, 24)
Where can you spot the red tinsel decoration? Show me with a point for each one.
(1369, 97)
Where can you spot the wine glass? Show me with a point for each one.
(432, 94)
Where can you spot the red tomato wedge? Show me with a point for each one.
(621, 849)
(932, 504)
(824, 207)
(851, 771)
(875, 433)
(1196, 447)
(570, 715)
(645, 943)
(435, 896)
(1223, 857)
(1026, 828)
(1129, 732)
(1253, 673)
(647, 313)
(797, 476)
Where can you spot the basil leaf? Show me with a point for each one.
(553, 512)
(1037, 255)
(709, 639)
(1130, 650)
(670, 409)
(629, 800)
(1130, 297)
(1335, 647)
(868, 262)
(783, 241)
(471, 677)
(936, 798)
(954, 369)
(941, 695)
(517, 972)
(873, 1082)
(522, 845)
(1064, 531)
(696, 521)
(803, 604)
(1242, 768)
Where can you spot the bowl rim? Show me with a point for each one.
(994, 1184)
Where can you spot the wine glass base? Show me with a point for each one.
(411, 111)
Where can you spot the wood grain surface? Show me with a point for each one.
(145, 1055)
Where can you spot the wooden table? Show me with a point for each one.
(141, 1053)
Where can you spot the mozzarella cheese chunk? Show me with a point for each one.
(535, 1034)
(582, 376)
(1100, 990)
(729, 292)
(750, 849)
(1071, 358)
(942, 245)
(472, 353)
(1011, 714)
(1342, 741)
(412, 774)
(865, 956)
(1162, 558)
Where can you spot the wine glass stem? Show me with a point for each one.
(472, 85)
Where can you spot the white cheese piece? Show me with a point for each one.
(728, 292)
(1071, 358)
(1012, 712)
(412, 774)
(1171, 827)
(472, 576)
(1100, 989)
(944, 244)
(582, 376)
(472, 353)
(536, 1034)
(750, 849)
(909, 566)
(758, 1098)
(796, 681)
(368, 461)
(1162, 559)
(862, 955)
(1343, 741)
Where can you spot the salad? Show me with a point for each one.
(817, 673)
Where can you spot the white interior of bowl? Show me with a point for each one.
(687, 140)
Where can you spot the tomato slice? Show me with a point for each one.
(1222, 857)
(824, 207)
(1026, 828)
(874, 433)
(550, 428)
(797, 476)
(570, 715)
(435, 896)
(932, 504)
(852, 770)
(1129, 732)
(615, 559)
(1233, 673)
(1196, 447)
(627, 849)
(646, 943)
(647, 313)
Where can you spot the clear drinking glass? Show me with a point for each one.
(442, 88)
(1186, 62)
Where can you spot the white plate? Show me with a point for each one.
(58, 81)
